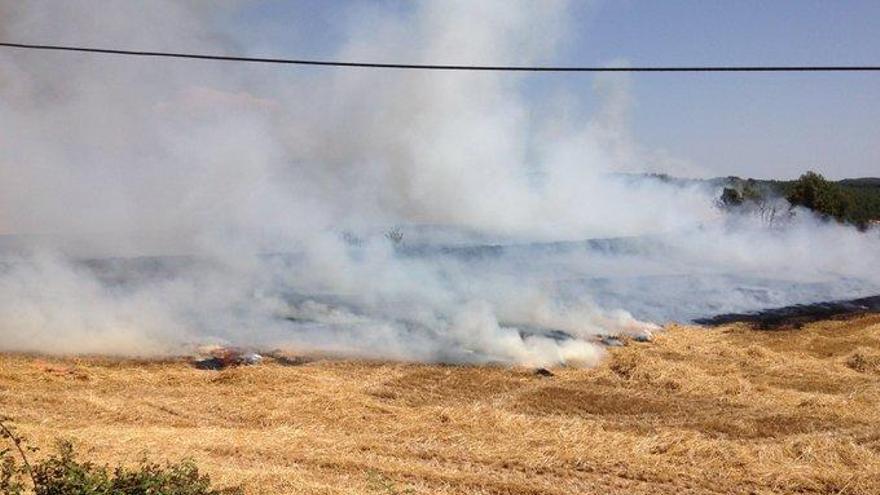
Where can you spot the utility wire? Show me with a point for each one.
(484, 68)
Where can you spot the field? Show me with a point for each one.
(725, 410)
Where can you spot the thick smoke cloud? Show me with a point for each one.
(148, 206)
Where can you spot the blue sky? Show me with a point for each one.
(763, 125)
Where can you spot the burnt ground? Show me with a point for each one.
(799, 314)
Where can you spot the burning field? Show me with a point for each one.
(725, 410)
(468, 275)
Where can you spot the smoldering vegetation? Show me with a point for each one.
(538, 304)
(147, 208)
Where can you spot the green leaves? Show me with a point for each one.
(63, 473)
(812, 191)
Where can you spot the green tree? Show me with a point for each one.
(826, 198)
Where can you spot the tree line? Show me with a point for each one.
(850, 201)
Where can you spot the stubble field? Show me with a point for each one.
(725, 410)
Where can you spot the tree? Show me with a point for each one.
(812, 191)
(730, 199)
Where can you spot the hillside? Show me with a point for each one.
(861, 196)
(730, 410)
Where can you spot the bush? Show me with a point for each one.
(63, 473)
(395, 235)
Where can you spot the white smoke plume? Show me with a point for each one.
(150, 205)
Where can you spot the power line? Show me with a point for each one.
(483, 68)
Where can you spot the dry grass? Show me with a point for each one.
(730, 410)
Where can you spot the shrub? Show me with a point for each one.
(63, 473)
(395, 235)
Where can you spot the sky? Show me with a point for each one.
(760, 125)
(766, 125)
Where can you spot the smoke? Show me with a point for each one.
(147, 206)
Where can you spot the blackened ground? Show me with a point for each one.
(799, 314)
